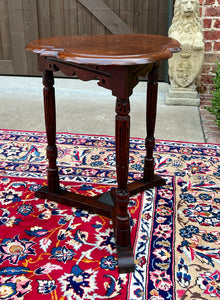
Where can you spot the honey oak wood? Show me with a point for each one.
(116, 62)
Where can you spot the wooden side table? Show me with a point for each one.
(116, 61)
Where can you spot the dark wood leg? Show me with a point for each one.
(149, 179)
(122, 222)
(152, 88)
(112, 204)
(50, 121)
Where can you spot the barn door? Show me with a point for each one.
(132, 16)
(6, 57)
(24, 20)
(106, 16)
(18, 25)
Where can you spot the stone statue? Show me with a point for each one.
(185, 66)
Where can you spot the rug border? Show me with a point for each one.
(111, 136)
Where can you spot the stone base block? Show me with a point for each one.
(182, 97)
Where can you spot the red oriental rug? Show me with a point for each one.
(50, 251)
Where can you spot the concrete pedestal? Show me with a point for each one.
(182, 96)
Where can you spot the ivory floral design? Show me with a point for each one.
(163, 231)
(14, 287)
(9, 196)
(162, 253)
(6, 220)
(161, 280)
(10, 150)
(210, 283)
(206, 215)
(46, 286)
(165, 193)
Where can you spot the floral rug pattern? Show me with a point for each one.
(51, 251)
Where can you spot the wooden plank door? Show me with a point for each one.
(24, 20)
(6, 57)
(19, 24)
(106, 16)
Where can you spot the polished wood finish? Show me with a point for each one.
(151, 108)
(50, 122)
(122, 49)
(117, 62)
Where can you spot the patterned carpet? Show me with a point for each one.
(50, 251)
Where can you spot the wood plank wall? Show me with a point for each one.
(24, 20)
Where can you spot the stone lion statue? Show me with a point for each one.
(187, 29)
(186, 25)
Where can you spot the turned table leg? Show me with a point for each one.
(122, 222)
(152, 88)
(50, 122)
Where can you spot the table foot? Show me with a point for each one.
(96, 205)
(125, 260)
(76, 200)
(104, 205)
(141, 185)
